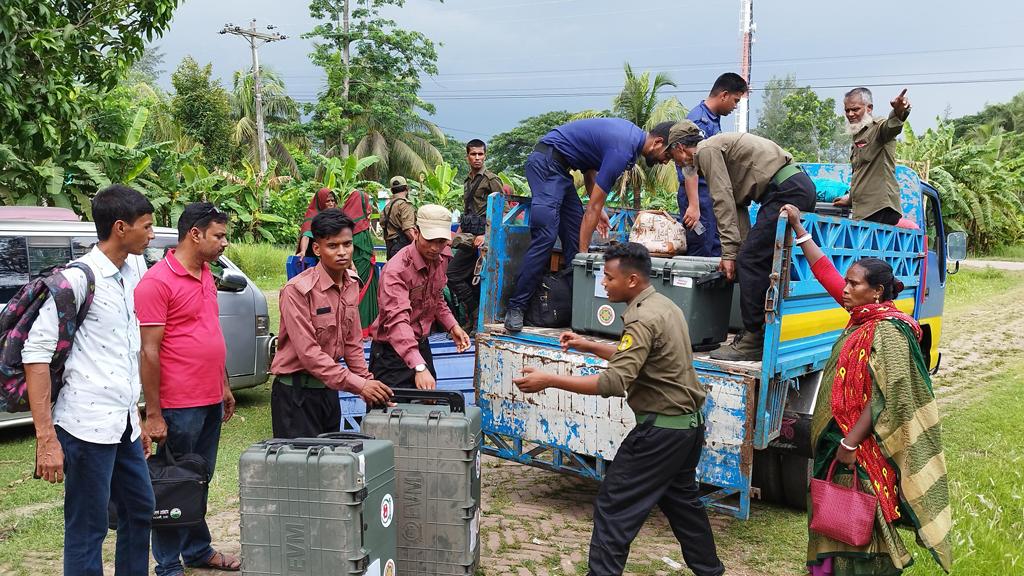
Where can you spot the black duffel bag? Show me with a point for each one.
(180, 485)
(551, 306)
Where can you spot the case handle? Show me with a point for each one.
(455, 400)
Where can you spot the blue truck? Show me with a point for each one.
(757, 413)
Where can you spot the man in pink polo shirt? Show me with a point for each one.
(183, 369)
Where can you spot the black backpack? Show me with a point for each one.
(551, 306)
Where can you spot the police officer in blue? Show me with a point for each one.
(602, 149)
(725, 95)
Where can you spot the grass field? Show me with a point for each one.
(982, 434)
(1013, 252)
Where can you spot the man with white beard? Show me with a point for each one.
(874, 193)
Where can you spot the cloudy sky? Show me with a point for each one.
(501, 61)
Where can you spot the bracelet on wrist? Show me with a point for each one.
(842, 442)
(802, 239)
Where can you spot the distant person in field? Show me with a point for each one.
(324, 199)
(874, 192)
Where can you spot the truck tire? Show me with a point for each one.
(767, 476)
(796, 477)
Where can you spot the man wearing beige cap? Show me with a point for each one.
(398, 219)
(741, 168)
(411, 301)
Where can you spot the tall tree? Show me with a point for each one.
(507, 152)
(202, 108)
(801, 122)
(280, 113)
(370, 101)
(49, 52)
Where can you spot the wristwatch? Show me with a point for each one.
(421, 367)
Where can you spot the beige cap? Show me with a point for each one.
(397, 181)
(434, 222)
(684, 129)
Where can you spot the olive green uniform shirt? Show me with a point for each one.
(475, 191)
(400, 215)
(653, 366)
(873, 157)
(738, 168)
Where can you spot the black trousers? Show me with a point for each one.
(653, 467)
(460, 281)
(388, 367)
(754, 263)
(303, 412)
(885, 216)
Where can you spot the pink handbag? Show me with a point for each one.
(841, 513)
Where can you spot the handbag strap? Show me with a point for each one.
(832, 469)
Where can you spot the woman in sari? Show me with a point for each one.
(358, 207)
(321, 201)
(876, 414)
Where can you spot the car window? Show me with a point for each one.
(46, 252)
(157, 249)
(13, 266)
(930, 224)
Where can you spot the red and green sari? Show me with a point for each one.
(359, 207)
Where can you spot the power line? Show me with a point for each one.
(668, 91)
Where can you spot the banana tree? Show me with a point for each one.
(439, 187)
(243, 198)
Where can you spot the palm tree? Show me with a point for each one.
(408, 152)
(279, 109)
(638, 102)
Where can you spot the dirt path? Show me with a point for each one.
(997, 264)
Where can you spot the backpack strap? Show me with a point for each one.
(90, 291)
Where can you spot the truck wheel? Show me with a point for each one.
(796, 477)
(767, 476)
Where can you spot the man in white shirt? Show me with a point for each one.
(93, 442)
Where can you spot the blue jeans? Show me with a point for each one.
(189, 431)
(556, 212)
(95, 474)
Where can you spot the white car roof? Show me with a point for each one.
(59, 227)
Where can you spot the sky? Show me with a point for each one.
(500, 62)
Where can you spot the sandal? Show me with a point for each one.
(221, 561)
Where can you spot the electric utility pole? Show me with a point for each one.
(256, 39)
(345, 55)
(747, 28)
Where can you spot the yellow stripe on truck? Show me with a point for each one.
(935, 324)
(796, 326)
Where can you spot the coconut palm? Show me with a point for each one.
(279, 110)
(638, 102)
(407, 152)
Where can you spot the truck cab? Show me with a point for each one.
(757, 413)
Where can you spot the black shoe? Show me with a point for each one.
(514, 320)
(747, 347)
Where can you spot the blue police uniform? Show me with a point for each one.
(608, 145)
(706, 244)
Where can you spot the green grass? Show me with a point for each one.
(1013, 252)
(262, 263)
(968, 287)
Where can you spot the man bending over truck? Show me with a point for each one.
(601, 148)
(652, 366)
(874, 193)
(741, 168)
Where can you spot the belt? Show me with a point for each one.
(679, 422)
(553, 152)
(300, 380)
(785, 173)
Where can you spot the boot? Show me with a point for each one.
(514, 320)
(747, 347)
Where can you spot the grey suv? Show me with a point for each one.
(35, 239)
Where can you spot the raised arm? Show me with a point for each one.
(822, 267)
